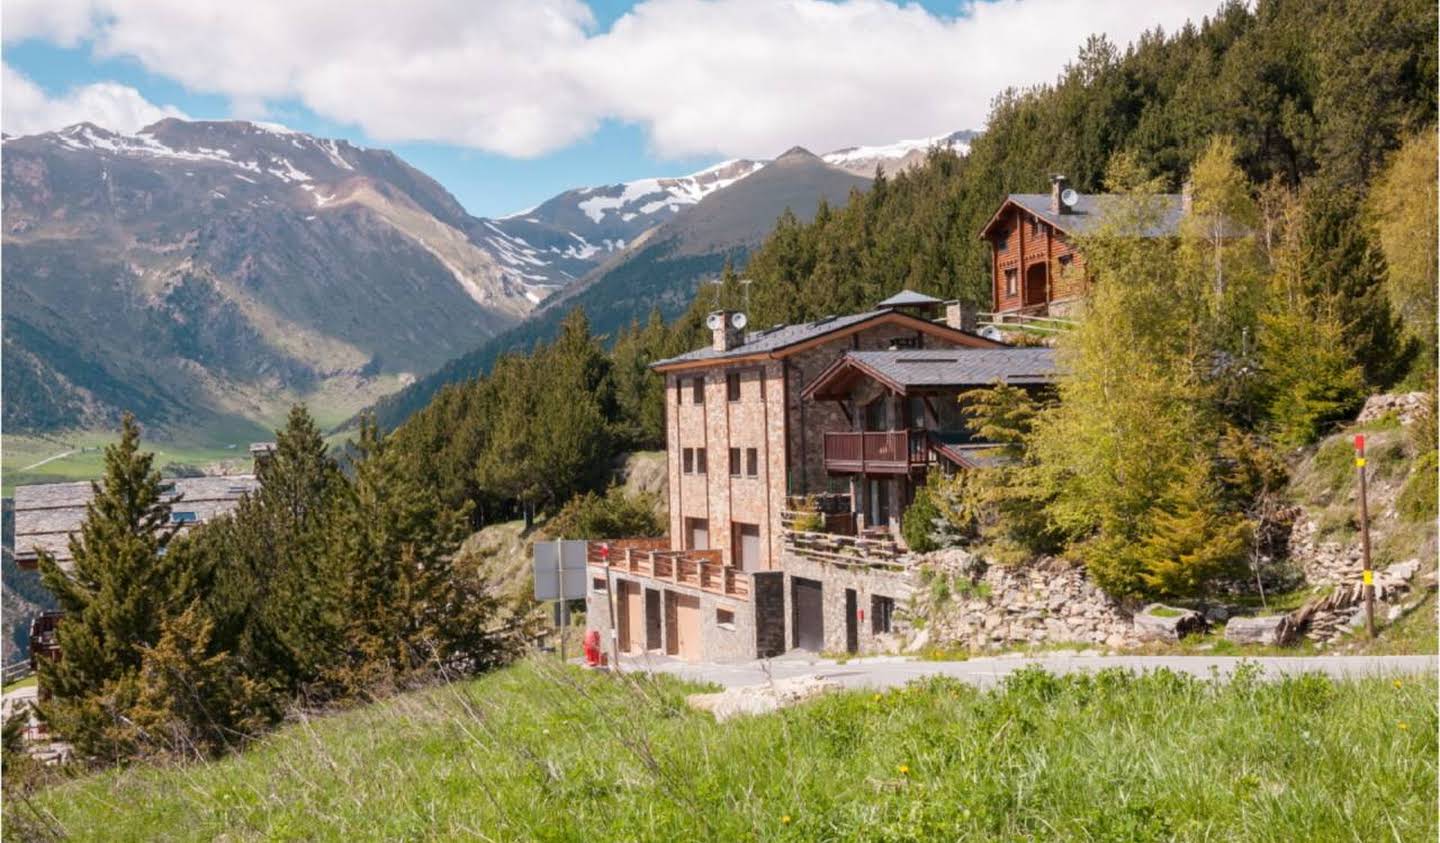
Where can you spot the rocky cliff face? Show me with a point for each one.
(198, 271)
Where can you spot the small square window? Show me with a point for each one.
(724, 617)
(752, 462)
(734, 462)
(699, 460)
(597, 584)
(732, 386)
(1002, 244)
(697, 391)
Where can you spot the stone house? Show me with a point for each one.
(842, 417)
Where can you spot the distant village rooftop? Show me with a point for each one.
(46, 514)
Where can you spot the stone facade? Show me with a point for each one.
(869, 586)
(730, 630)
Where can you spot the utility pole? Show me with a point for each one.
(1367, 575)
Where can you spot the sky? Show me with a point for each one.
(508, 102)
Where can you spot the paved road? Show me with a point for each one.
(889, 671)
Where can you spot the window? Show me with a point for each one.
(688, 458)
(881, 610)
(183, 518)
(1010, 276)
(734, 462)
(752, 462)
(597, 584)
(1037, 227)
(1002, 244)
(1066, 260)
(699, 460)
(697, 391)
(732, 386)
(724, 617)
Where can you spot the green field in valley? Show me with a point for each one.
(541, 752)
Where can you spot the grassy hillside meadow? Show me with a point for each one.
(543, 752)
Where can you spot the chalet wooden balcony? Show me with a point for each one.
(699, 569)
(883, 452)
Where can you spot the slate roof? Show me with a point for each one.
(959, 367)
(47, 513)
(759, 342)
(1091, 208)
(906, 298)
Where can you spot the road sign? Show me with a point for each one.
(560, 570)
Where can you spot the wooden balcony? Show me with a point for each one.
(884, 452)
(699, 569)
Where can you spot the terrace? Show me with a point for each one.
(704, 570)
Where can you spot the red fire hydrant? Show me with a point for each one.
(592, 648)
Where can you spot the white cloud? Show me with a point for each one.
(25, 109)
(524, 77)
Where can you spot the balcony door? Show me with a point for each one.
(877, 415)
(878, 498)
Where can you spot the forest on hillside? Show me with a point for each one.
(1201, 362)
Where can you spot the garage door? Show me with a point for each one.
(808, 614)
(687, 628)
(632, 615)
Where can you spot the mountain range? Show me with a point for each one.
(206, 274)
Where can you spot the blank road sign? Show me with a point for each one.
(560, 570)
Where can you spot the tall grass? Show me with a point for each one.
(543, 752)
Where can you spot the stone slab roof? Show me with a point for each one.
(47, 513)
(1091, 209)
(959, 367)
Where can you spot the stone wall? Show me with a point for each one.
(1405, 406)
(768, 595)
(999, 606)
(868, 584)
(733, 641)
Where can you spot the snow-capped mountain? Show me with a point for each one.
(898, 156)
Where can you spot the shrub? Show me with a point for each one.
(1417, 499)
(919, 522)
(615, 515)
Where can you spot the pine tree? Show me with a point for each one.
(1192, 543)
(116, 594)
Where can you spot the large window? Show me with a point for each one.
(734, 462)
(687, 460)
(881, 611)
(732, 386)
(752, 462)
(699, 460)
(697, 391)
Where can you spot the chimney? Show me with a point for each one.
(961, 316)
(1058, 183)
(725, 336)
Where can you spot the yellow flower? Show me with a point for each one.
(1403, 725)
(877, 698)
(785, 820)
(1398, 684)
(904, 769)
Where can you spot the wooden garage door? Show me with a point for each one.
(632, 617)
(808, 615)
(687, 628)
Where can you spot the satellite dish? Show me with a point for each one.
(714, 321)
(738, 320)
(990, 332)
(1069, 197)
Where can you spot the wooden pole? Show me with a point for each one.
(1367, 575)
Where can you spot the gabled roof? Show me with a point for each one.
(784, 340)
(1091, 210)
(908, 298)
(922, 369)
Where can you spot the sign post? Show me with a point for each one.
(610, 607)
(1367, 576)
(559, 571)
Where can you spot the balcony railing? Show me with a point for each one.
(701, 569)
(882, 452)
(840, 549)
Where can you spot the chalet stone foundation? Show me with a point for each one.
(869, 588)
(729, 630)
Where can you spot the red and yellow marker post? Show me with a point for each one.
(1367, 576)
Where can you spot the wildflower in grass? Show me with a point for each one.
(877, 698)
(785, 820)
(1402, 725)
(904, 769)
(1398, 684)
